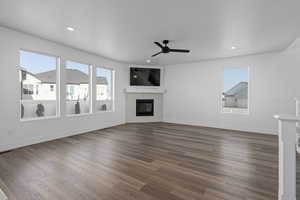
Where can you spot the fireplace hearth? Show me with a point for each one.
(144, 107)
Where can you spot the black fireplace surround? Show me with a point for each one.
(144, 107)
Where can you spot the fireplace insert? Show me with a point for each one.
(144, 107)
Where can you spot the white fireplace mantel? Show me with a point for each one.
(149, 90)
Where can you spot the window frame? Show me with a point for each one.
(90, 69)
(51, 88)
(28, 90)
(112, 89)
(61, 85)
(37, 87)
(238, 111)
(58, 82)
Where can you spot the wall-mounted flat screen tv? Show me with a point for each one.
(144, 76)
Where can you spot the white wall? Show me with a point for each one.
(194, 91)
(13, 132)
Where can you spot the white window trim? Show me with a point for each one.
(61, 85)
(112, 90)
(58, 66)
(39, 118)
(231, 110)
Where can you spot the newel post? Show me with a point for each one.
(287, 156)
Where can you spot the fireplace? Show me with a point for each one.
(144, 107)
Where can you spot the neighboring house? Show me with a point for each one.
(42, 86)
(237, 96)
(30, 85)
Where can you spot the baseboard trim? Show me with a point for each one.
(138, 122)
(10, 147)
(247, 130)
(38, 140)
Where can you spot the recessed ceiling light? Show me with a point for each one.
(148, 61)
(69, 28)
(233, 47)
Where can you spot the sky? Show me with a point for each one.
(102, 72)
(38, 63)
(233, 76)
(78, 66)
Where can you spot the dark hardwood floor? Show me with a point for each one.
(145, 162)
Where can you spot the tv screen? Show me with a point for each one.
(144, 77)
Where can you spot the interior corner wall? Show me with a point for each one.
(13, 132)
(194, 91)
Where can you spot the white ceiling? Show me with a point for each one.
(125, 30)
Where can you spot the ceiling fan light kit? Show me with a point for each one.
(165, 49)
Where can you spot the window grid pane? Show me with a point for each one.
(235, 97)
(104, 89)
(38, 81)
(36, 73)
(77, 88)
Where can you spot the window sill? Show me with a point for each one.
(235, 111)
(104, 111)
(69, 116)
(79, 115)
(39, 118)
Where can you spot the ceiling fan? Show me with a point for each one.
(166, 49)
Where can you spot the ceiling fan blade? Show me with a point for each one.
(158, 44)
(156, 54)
(180, 50)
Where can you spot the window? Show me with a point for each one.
(36, 72)
(37, 90)
(104, 89)
(70, 92)
(51, 88)
(235, 95)
(28, 89)
(77, 88)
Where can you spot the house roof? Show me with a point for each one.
(27, 72)
(240, 90)
(73, 76)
